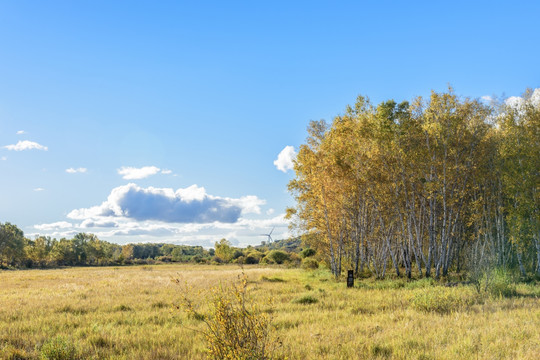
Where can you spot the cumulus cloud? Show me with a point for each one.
(284, 161)
(78, 170)
(54, 226)
(132, 173)
(189, 205)
(21, 132)
(26, 145)
(166, 171)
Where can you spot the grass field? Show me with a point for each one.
(128, 313)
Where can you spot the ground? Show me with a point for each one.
(130, 313)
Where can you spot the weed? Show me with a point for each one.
(235, 328)
(59, 348)
(122, 307)
(306, 299)
(272, 279)
(159, 305)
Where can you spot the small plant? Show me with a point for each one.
(59, 348)
(235, 328)
(272, 279)
(122, 307)
(306, 299)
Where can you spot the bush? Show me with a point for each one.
(308, 253)
(278, 256)
(59, 348)
(310, 264)
(251, 259)
(165, 258)
(235, 328)
(500, 283)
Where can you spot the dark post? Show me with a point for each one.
(350, 278)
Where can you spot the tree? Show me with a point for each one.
(11, 244)
(224, 250)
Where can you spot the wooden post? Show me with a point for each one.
(350, 278)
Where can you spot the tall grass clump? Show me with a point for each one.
(234, 327)
(59, 348)
(443, 300)
(495, 282)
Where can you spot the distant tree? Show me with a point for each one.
(224, 250)
(11, 244)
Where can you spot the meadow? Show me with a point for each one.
(130, 313)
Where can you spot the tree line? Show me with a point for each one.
(84, 249)
(423, 187)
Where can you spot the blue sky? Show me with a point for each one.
(161, 121)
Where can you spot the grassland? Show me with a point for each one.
(129, 313)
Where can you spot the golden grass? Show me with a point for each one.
(128, 313)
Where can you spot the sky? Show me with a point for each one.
(177, 122)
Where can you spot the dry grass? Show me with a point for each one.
(128, 313)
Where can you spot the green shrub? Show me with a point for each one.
(308, 253)
(500, 283)
(310, 264)
(278, 256)
(250, 259)
(59, 348)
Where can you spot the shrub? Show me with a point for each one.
(308, 253)
(500, 283)
(278, 256)
(165, 258)
(235, 328)
(59, 348)
(250, 259)
(310, 264)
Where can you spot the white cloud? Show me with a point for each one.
(26, 145)
(21, 132)
(487, 98)
(3, 158)
(39, 189)
(166, 171)
(189, 205)
(132, 173)
(518, 102)
(284, 161)
(78, 170)
(270, 211)
(54, 226)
